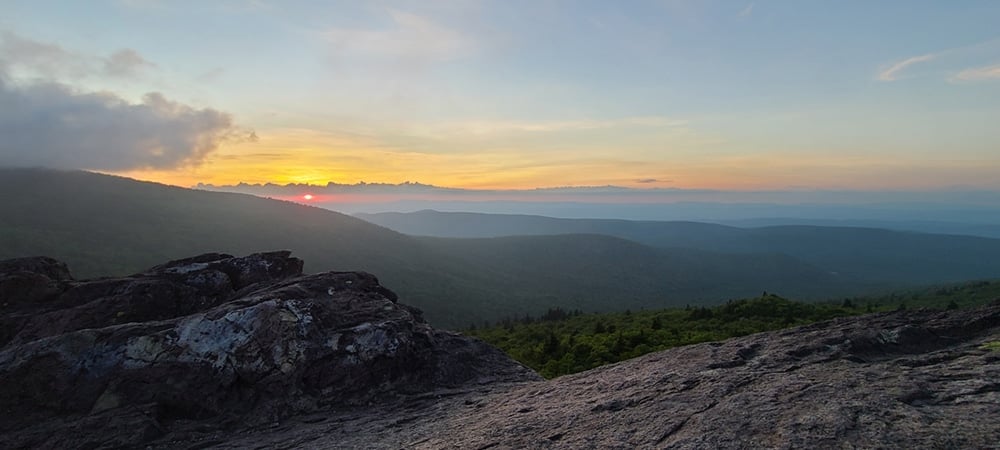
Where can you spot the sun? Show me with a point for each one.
(307, 197)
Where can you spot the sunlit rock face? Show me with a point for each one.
(219, 339)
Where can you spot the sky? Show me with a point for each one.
(508, 94)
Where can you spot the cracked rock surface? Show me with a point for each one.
(909, 379)
(211, 344)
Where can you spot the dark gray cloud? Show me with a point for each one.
(52, 125)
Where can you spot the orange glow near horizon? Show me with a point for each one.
(313, 158)
(743, 176)
(469, 96)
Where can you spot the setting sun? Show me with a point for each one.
(506, 193)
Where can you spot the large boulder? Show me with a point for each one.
(221, 340)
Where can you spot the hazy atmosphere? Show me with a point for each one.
(753, 95)
(493, 224)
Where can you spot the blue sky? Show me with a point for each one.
(667, 93)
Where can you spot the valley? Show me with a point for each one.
(104, 225)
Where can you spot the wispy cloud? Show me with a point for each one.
(19, 53)
(499, 127)
(978, 74)
(412, 37)
(125, 63)
(950, 60)
(34, 59)
(211, 76)
(892, 72)
(748, 11)
(236, 6)
(141, 3)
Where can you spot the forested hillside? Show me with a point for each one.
(561, 342)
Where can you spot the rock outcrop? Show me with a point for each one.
(909, 379)
(213, 342)
(216, 351)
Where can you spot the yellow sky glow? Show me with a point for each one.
(668, 158)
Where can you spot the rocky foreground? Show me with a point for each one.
(226, 352)
(211, 343)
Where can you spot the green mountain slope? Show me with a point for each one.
(104, 225)
(561, 342)
(876, 255)
(602, 273)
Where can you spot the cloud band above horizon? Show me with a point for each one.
(51, 125)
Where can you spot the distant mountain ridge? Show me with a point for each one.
(105, 225)
(958, 211)
(923, 226)
(963, 198)
(876, 255)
